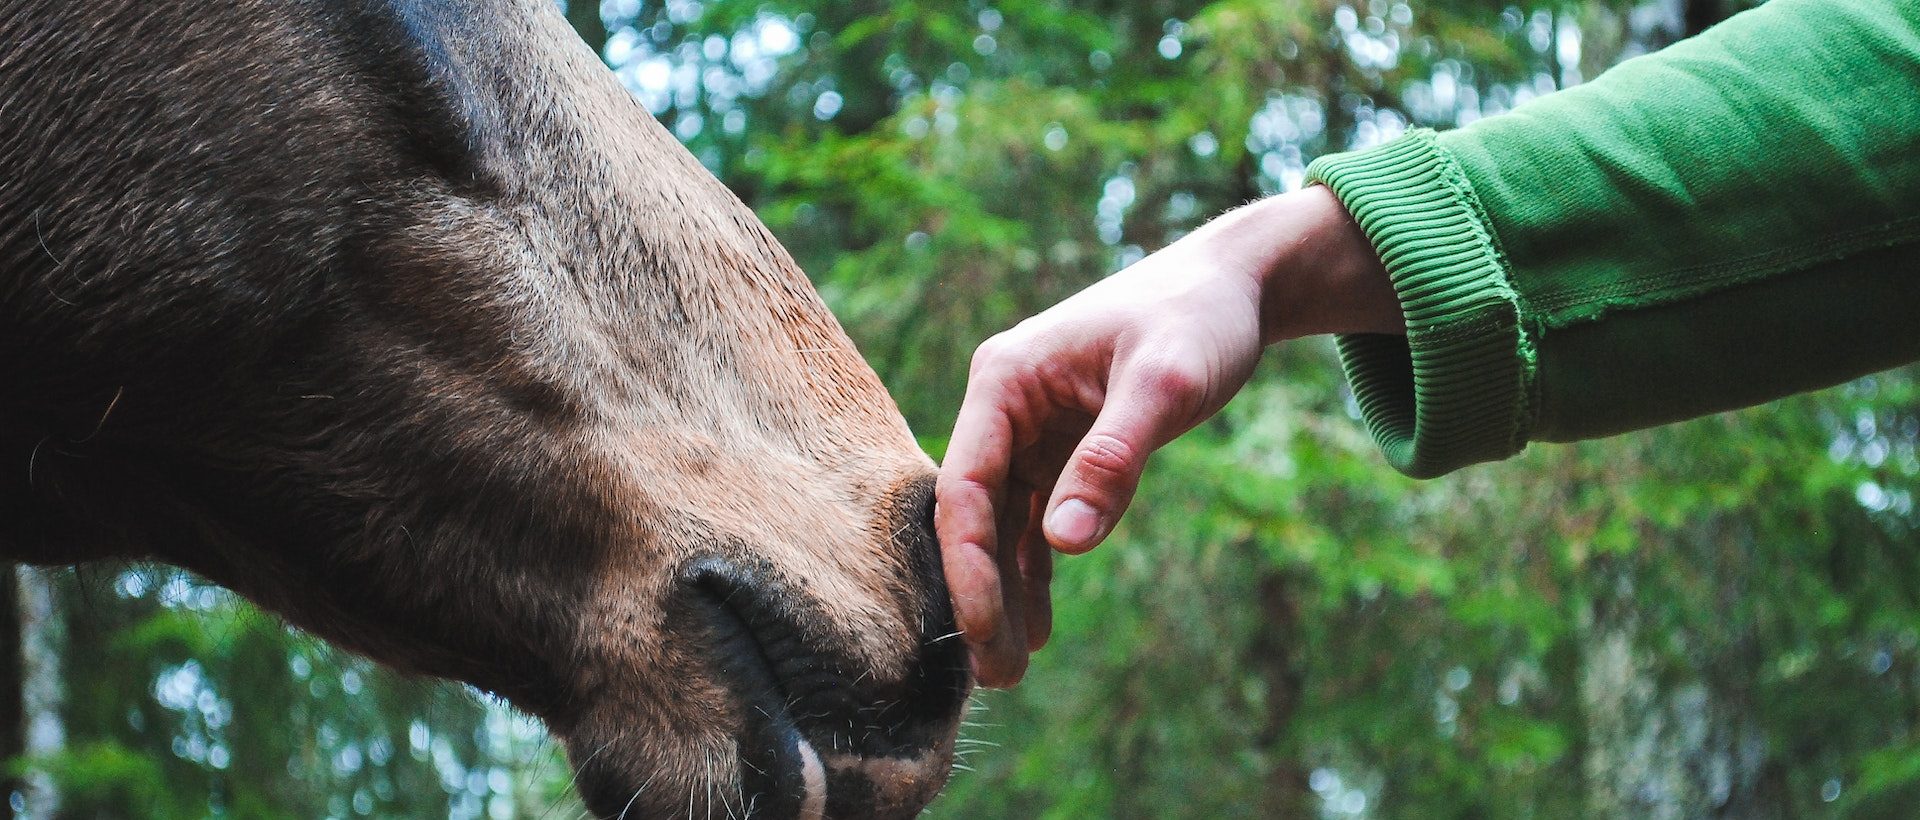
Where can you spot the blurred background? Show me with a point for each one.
(1715, 619)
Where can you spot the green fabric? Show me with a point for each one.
(1725, 222)
(1463, 398)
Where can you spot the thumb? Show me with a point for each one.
(1146, 407)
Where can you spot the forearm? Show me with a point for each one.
(1309, 265)
(1720, 224)
(1784, 144)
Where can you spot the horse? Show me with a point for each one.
(403, 320)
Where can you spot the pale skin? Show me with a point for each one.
(1062, 411)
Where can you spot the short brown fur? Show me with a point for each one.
(402, 319)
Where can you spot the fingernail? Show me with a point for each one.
(1074, 522)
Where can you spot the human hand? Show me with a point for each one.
(1062, 411)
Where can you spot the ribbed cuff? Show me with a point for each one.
(1455, 390)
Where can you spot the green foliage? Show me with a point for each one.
(181, 701)
(103, 778)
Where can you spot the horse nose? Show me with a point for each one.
(915, 537)
(940, 679)
(819, 736)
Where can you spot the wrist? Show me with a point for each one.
(1316, 272)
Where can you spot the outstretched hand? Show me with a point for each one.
(1062, 411)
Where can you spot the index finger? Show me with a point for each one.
(971, 488)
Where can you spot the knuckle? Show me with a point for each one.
(961, 489)
(1012, 370)
(992, 354)
(1105, 458)
(1012, 357)
(1173, 378)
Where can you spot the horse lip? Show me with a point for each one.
(780, 771)
(815, 739)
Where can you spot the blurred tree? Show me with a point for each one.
(13, 696)
(181, 701)
(584, 16)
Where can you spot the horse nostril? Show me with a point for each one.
(804, 702)
(759, 636)
(809, 703)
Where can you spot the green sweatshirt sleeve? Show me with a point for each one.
(1730, 220)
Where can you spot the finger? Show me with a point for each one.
(967, 556)
(1146, 407)
(969, 490)
(1001, 660)
(968, 561)
(1036, 577)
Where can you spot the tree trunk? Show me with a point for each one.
(1704, 14)
(1276, 656)
(1673, 742)
(39, 636)
(585, 17)
(13, 709)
